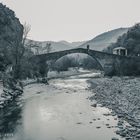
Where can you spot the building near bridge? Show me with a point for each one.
(120, 51)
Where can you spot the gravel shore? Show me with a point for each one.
(122, 96)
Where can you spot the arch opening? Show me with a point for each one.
(76, 62)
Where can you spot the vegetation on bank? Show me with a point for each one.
(12, 53)
(129, 40)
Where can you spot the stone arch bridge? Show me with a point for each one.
(111, 64)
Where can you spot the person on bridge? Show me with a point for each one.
(87, 48)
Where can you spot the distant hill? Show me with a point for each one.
(102, 41)
(73, 44)
(99, 43)
(40, 46)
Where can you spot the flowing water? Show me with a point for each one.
(63, 111)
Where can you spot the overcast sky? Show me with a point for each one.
(74, 20)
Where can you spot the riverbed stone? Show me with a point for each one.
(124, 104)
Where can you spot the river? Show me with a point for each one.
(62, 111)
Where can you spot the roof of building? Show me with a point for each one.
(119, 48)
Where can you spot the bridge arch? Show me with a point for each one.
(61, 60)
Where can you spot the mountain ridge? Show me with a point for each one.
(103, 40)
(98, 43)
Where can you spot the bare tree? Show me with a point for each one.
(17, 49)
(26, 31)
(20, 50)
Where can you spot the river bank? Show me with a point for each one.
(122, 96)
(62, 111)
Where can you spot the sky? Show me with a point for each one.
(74, 20)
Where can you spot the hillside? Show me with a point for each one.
(10, 30)
(40, 46)
(104, 40)
(98, 43)
(73, 44)
(130, 41)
